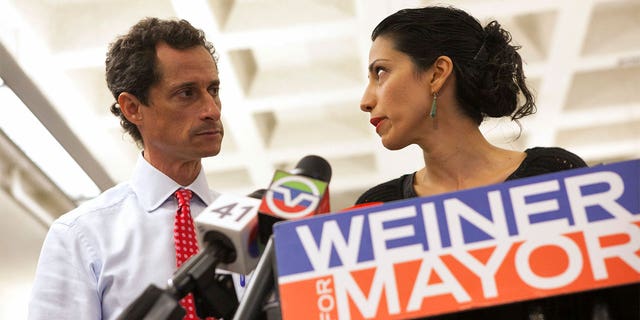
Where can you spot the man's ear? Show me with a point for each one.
(130, 107)
(442, 69)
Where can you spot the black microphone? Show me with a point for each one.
(154, 303)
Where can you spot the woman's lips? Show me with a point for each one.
(376, 122)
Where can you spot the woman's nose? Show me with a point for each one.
(368, 100)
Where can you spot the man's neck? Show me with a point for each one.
(184, 172)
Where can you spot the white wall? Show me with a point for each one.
(21, 238)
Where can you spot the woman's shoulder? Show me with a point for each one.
(391, 190)
(541, 160)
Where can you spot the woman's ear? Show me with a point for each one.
(130, 107)
(442, 69)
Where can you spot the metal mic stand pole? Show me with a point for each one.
(261, 283)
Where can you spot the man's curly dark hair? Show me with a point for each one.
(131, 64)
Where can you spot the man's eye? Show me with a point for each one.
(186, 92)
(214, 91)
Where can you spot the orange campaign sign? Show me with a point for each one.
(554, 234)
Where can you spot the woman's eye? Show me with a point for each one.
(379, 72)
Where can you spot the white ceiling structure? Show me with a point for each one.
(292, 73)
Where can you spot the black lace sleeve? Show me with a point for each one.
(546, 160)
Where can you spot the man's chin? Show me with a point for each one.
(212, 153)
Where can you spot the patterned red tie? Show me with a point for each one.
(184, 236)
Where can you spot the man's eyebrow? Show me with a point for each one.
(179, 85)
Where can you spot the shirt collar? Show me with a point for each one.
(153, 187)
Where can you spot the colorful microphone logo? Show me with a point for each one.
(293, 196)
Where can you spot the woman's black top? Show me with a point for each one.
(617, 303)
(538, 161)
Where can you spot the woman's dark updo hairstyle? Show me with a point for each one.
(131, 64)
(488, 69)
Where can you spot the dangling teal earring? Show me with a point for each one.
(434, 105)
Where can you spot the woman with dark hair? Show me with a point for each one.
(434, 75)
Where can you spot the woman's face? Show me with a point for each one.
(397, 96)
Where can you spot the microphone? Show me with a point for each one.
(231, 221)
(235, 223)
(227, 235)
(227, 232)
(154, 303)
(300, 193)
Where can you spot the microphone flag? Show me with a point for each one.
(293, 196)
(232, 219)
(290, 196)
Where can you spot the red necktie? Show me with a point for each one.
(184, 236)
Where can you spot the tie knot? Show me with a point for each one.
(184, 196)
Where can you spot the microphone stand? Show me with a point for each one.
(262, 283)
(213, 294)
(154, 303)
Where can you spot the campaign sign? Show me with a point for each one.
(547, 235)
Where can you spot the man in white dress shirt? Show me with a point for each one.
(99, 257)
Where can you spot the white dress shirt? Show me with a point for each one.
(98, 258)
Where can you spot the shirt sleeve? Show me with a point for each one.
(65, 286)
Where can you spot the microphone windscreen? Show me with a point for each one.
(315, 167)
